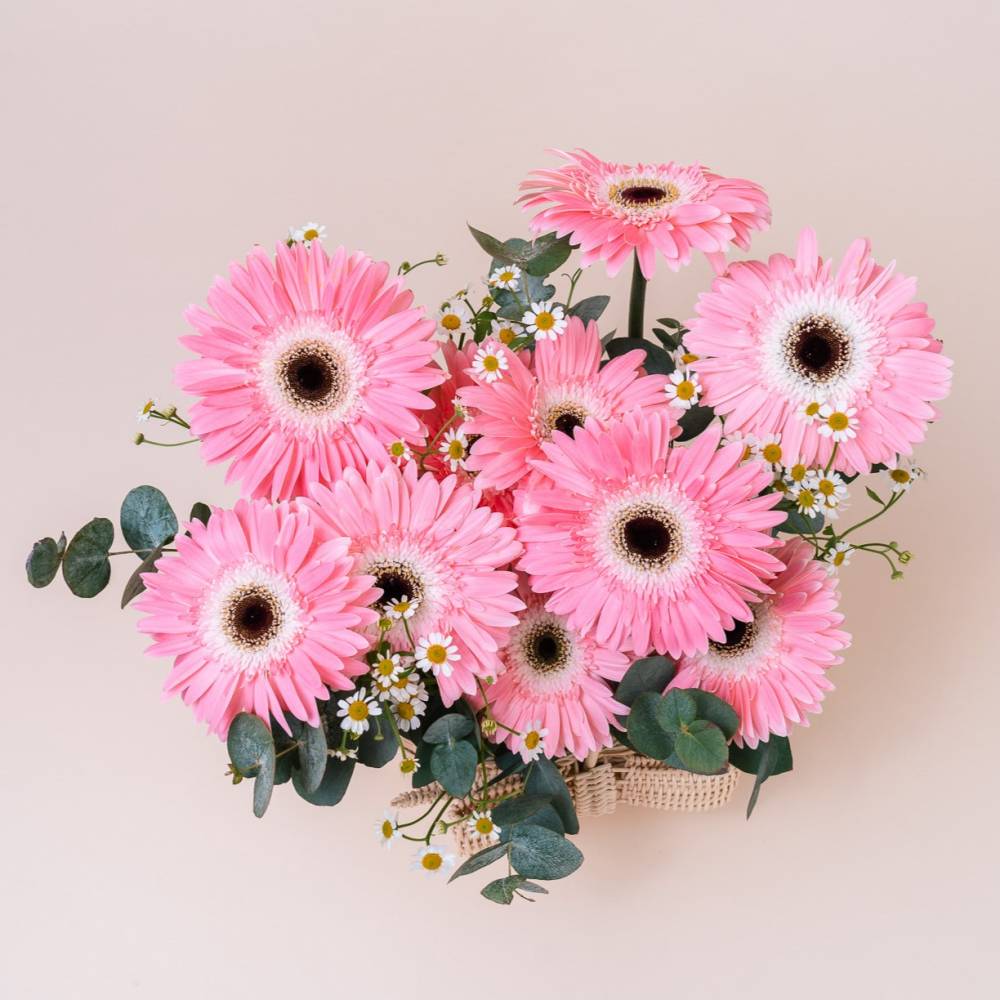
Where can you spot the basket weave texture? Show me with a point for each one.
(597, 785)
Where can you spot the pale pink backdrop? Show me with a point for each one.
(145, 144)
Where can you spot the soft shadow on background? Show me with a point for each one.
(146, 144)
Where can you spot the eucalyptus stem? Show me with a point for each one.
(637, 301)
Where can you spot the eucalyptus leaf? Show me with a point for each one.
(249, 741)
(480, 860)
(454, 766)
(770, 757)
(590, 309)
(716, 710)
(492, 246)
(135, 585)
(331, 789)
(378, 746)
(658, 361)
(43, 561)
(536, 852)
(85, 566)
(547, 254)
(648, 673)
(516, 810)
(263, 785)
(147, 519)
(448, 728)
(701, 747)
(313, 756)
(423, 776)
(671, 341)
(544, 778)
(503, 890)
(200, 512)
(796, 523)
(646, 731)
(677, 709)
(694, 420)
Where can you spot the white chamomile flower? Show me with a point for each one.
(504, 331)
(546, 323)
(407, 713)
(531, 745)
(356, 710)
(807, 500)
(455, 448)
(796, 475)
(683, 389)
(307, 233)
(346, 754)
(386, 671)
(839, 555)
(685, 357)
(436, 652)
(749, 442)
(481, 822)
(838, 421)
(903, 475)
(453, 319)
(407, 686)
(432, 859)
(810, 412)
(409, 765)
(490, 362)
(506, 276)
(399, 451)
(147, 410)
(403, 607)
(387, 829)
(831, 488)
(769, 449)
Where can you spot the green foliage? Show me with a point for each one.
(331, 789)
(701, 746)
(448, 728)
(648, 673)
(43, 561)
(520, 808)
(694, 420)
(537, 852)
(714, 709)
(480, 860)
(378, 746)
(252, 755)
(423, 776)
(85, 566)
(453, 764)
(766, 759)
(503, 890)
(312, 755)
(147, 519)
(658, 361)
(135, 585)
(590, 309)
(539, 258)
(200, 512)
(797, 523)
(545, 779)
(646, 732)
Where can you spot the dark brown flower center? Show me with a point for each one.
(546, 647)
(642, 194)
(645, 193)
(818, 348)
(565, 417)
(311, 376)
(253, 617)
(397, 581)
(738, 639)
(647, 536)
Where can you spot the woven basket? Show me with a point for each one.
(597, 785)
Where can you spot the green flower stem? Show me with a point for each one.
(867, 520)
(434, 822)
(637, 301)
(134, 552)
(833, 455)
(573, 279)
(404, 268)
(164, 444)
(422, 816)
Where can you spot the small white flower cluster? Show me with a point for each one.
(836, 420)
(814, 491)
(307, 233)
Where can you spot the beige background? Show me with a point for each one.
(148, 143)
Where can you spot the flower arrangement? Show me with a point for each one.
(507, 551)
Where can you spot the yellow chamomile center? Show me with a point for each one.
(484, 825)
(779, 486)
(387, 829)
(506, 275)
(685, 390)
(826, 487)
(806, 499)
(407, 766)
(405, 710)
(397, 449)
(812, 409)
(532, 740)
(432, 861)
(900, 476)
(456, 450)
(545, 321)
(436, 653)
(358, 711)
(689, 358)
(797, 473)
(385, 667)
(771, 453)
(838, 559)
(450, 321)
(838, 421)
(401, 607)
(491, 363)
(149, 407)
(506, 335)
(311, 234)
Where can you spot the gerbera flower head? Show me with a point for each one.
(555, 674)
(262, 611)
(613, 209)
(567, 385)
(824, 357)
(772, 668)
(646, 546)
(433, 541)
(310, 364)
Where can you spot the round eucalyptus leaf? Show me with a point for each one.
(136, 585)
(312, 756)
(713, 708)
(333, 786)
(454, 766)
(677, 708)
(448, 728)
(43, 561)
(263, 785)
(537, 852)
(701, 747)
(650, 673)
(85, 566)
(646, 732)
(590, 308)
(147, 519)
(249, 743)
(200, 512)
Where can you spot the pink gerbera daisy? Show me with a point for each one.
(515, 416)
(262, 612)
(772, 668)
(309, 364)
(612, 209)
(822, 357)
(431, 542)
(554, 674)
(644, 545)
